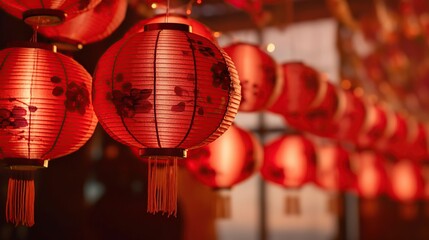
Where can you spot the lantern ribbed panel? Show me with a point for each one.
(257, 73)
(165, 89)
(289, 161)
(45, 104)
(70, 7)
(197, 27)
(91, 26)
(228, 160)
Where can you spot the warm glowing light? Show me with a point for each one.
(346, 84)
(271, 47)
(153, 5)
(188, 12)
(199, 1)
(217, 34)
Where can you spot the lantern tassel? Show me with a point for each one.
(223, 203)
(162, 186)
(20, 198)
(292, 205)
(335, 204)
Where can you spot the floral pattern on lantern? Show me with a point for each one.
(165, 90)
(258, 75)
(45, 113)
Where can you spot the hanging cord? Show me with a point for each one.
(34, 37)
(167, 13)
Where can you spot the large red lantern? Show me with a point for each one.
(197, 27)
(300, 86)
(227, 161)
(258, 75)
(45, 113)
(46, 12)
(165, 90)
(289, 161)
(91, 26)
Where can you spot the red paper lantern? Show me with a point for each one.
(46, 12)
(370, 174)
(374, 126)
(197, 27)
(165, 90)
(258, 75)
(333, 172)
(395, 137)
(300, 86)
(289, 161)
(318, 118)
(45, 113)
(229, 160)
(405, 180)
(232, 158)
(91, 26)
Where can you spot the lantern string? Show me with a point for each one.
(168, 11)
(34, 37)
(20, 198)
(162, 186)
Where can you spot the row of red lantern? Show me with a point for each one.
(311, 103)
(292, 161)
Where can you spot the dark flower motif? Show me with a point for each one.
(220, 75)
(77, 98)
(180, 107)
(207, 171)
(55, 79)
(206, 51)
(58, 91)
(14, 118)
(277, 173)
(130, 100)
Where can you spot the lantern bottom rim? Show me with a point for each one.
(25, 164)
(163, 152)
(44, 17)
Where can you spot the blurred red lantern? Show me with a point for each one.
(351, 120)
(416, 142)
(395, 137)
(374, 126)
(370, 174)
(258, 75)
(227, 161)
(289, 161)
(405, 180)
(165, 90)
(45, 113)
(91, 26)
(197, 27)
(319, 118)
(333, 173)
(46, 12)
(300, 88)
